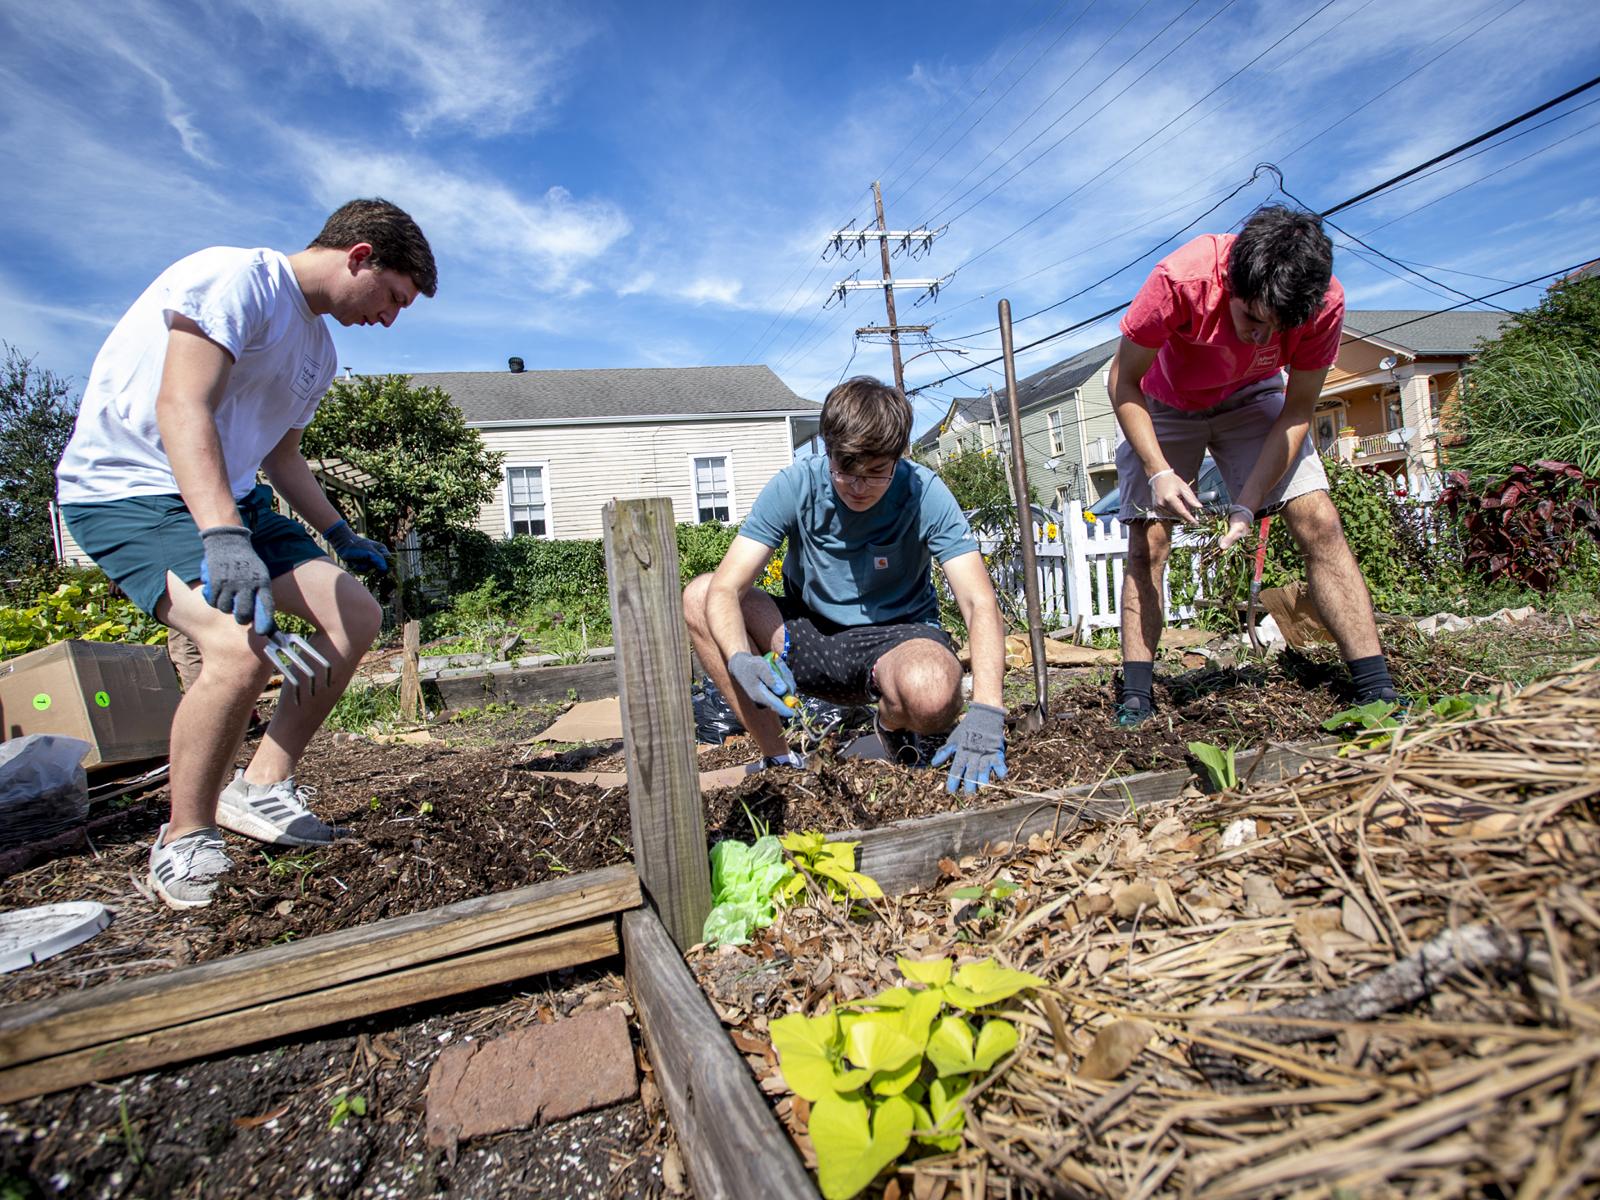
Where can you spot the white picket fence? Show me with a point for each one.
(1080, 572)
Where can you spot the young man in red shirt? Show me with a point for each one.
(1201, 366)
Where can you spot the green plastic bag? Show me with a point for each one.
(744, 883)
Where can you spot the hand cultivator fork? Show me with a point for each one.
(289, 652)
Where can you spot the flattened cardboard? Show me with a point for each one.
(118, 698)
(588, 721)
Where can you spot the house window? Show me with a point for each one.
(526, 506)
(712, 500)
(1433, 399)
(1053, 420)
(1328, 423)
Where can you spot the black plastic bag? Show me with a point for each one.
(715, 720)
(44, 789)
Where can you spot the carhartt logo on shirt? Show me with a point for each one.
(880, 563)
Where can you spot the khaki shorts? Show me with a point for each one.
(1233, 432)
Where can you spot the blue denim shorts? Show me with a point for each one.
(136, 541)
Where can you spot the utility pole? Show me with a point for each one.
(911, 240)
(888, 290)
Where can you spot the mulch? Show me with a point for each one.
(1378, 978)
(259, 1124)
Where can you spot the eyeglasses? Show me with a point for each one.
(861, 481)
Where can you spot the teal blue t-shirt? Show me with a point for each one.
(861, 568)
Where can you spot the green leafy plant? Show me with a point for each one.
(362, 709)
(831, 864)
(82, 608)
(1219, 763)
(747, 886)
(1372, 724)
(346, 1105)
(892, 1069)
(990, 898)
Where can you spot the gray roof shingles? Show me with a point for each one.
(1426, 332)
(644, 392)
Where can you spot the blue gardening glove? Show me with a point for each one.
(978, 747)
(362, 553)
(765, 680)
(234, 579)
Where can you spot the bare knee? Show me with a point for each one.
(228, 660)
(927, 689)
(361, 617)
(1314, 521)
(694, 602)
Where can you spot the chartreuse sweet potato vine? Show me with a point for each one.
(892, 1069)
(750, 883)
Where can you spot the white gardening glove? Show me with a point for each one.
(1240, 519)
(1172, 496)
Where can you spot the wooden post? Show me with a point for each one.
(669, 827)
(410, 681)
(1034, 718)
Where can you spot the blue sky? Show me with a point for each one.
(631, 184)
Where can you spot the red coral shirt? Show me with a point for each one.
(1182, 313)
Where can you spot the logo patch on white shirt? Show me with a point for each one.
(306, 378)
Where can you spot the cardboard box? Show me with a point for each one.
(118, 698)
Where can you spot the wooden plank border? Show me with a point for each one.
(906, 854)
(113, 1012)
(329, 1006)
(732, 1141)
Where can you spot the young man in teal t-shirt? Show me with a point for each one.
(858, 621)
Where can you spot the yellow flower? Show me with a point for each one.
(1089, 517)
(1051, 531)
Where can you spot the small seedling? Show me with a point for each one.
(425, 808)
(345, 1106)
(1219, 763)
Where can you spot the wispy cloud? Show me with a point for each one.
(478, 68)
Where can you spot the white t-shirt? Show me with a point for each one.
(248, 302)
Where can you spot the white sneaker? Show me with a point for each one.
(184, 872)
(274, 813)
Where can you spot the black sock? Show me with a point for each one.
(1138, 684)
(1371, 677)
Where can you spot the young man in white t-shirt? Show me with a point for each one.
(211, 376)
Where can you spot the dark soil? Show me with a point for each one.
(257, 1125)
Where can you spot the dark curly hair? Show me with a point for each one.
(1282, 260)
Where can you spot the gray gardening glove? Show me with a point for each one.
(978, 747)
(362, 553)
(234, 579)
(765, 680)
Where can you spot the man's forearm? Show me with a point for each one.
(725, 615)
(290, 474)
(1133, 416)
(988, 637)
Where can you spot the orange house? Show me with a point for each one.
(1397, 371)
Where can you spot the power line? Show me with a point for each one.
(1502, 127)
(1026, 71)
(1466, 145)
(1173, 121)
(1063, 116)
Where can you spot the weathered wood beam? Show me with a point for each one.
(112, 1012)
(468, 686)
(906, 854)
(329, 1006)
(734, 1146)
(669, 824)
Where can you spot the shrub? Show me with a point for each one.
(1534, 403)
(82, 608)
(1528, 525)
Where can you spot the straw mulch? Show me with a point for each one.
(1380, 978)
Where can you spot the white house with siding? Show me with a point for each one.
(707, 437)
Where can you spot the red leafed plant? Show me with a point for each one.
(1527, 525)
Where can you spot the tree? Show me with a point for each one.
(1534, 392)
(430, 471)
(36, 416)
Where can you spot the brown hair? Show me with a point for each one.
(864, 418)
(397, 243)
